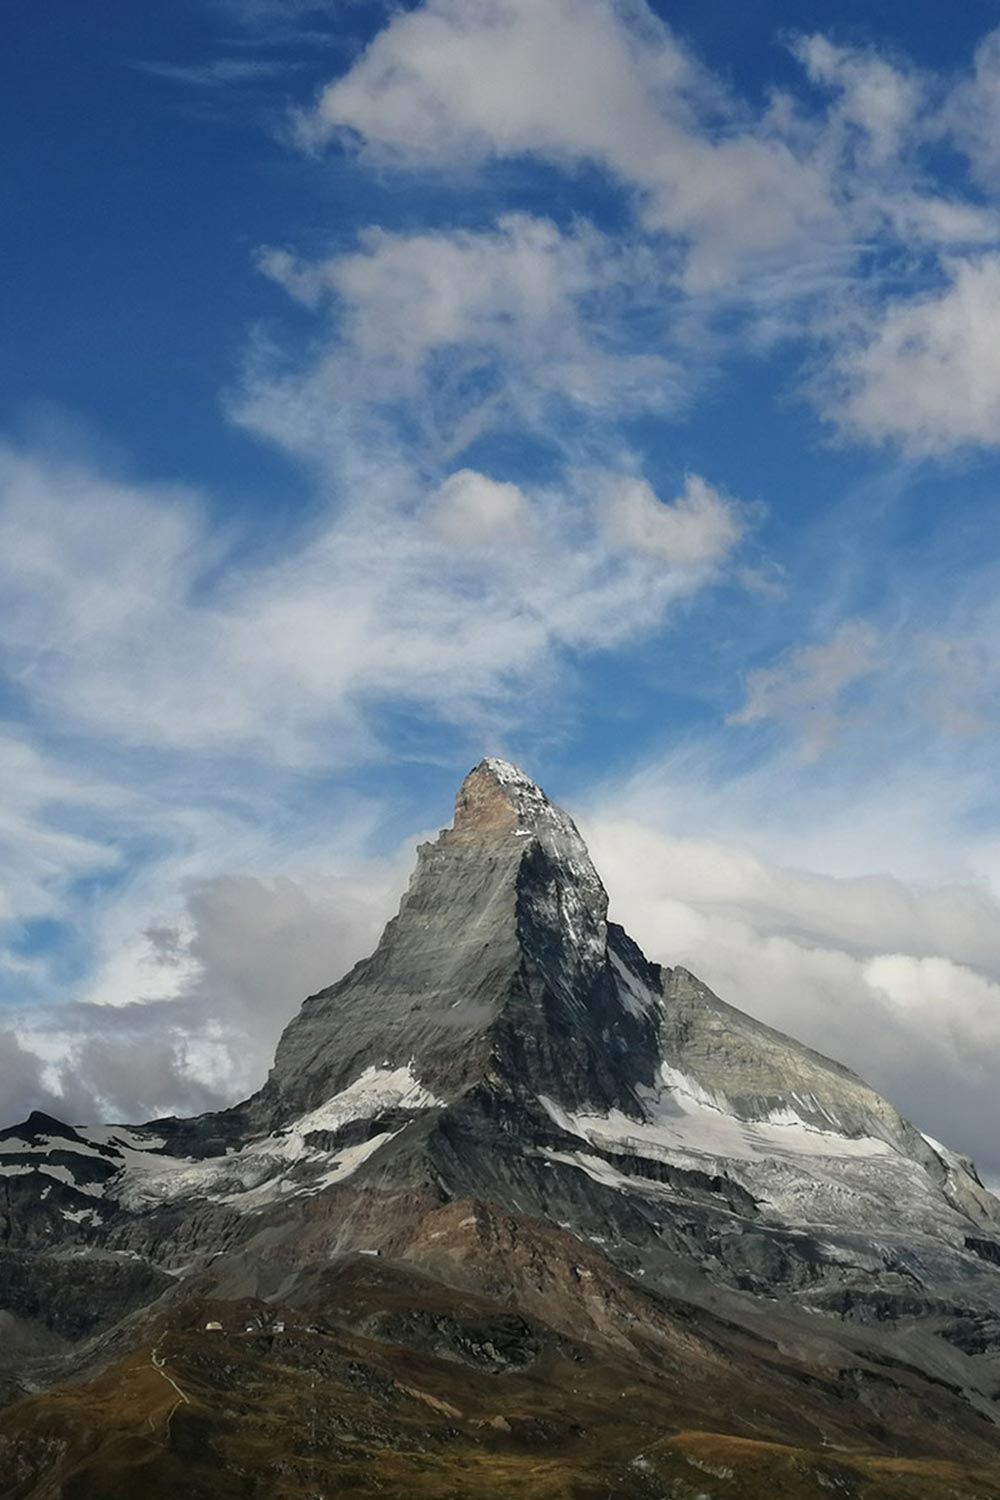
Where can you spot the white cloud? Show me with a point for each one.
(247, 953)
(850, 899)
(433, 591)
(41, 851)
(961, 692)
(876, 98)
(971, 113)
(471, 330)
(807, 688)
(698, 529)
(205, 689)
(107, 622)
(203, 698)
(470, 509)
(485, 77)
(465, 80)
(855, 966)
(939, 223)
(406, 296)
(220, 73)
(22, 1081)
(925, 372)
(774, 213)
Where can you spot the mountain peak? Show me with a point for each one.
(505, 772)
(498, 803)
(497, 800)
(489, 800)
(502, 931)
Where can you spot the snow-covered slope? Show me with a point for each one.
(123, 1169)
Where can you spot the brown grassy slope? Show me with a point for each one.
(387, 1382)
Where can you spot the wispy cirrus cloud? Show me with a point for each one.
(809, 688)
(219, 73)
(48, 829)
(110, 620)
(518, 326)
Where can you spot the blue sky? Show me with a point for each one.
(612, 386)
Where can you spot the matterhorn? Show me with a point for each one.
(518, 1211)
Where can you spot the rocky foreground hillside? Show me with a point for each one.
(517, 1211)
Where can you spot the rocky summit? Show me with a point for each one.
(517, 1211)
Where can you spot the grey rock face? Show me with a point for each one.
(505, 1042)
(497, 966)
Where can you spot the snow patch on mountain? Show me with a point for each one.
(277, 1164)
(636, 997)
(54, 1170)
(602, 1171)
(371, 1094)
(44, 1145)
(139, 1173)
(683, 1120)
(123, 1137)
(82, 1216)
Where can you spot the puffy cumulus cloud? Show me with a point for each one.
(110, 623)
(925, 371)
(470, 509)
(23, 1085)
(136, 968)
(451, 83)
(808, 689)
(503, 76)
(917, 366)
(805, 217)
(964, 1006)
(245, 954)
(258, 947)
(855, 967)
(697, 529)
(456, 81)
(406, 296)
(153, 1061)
